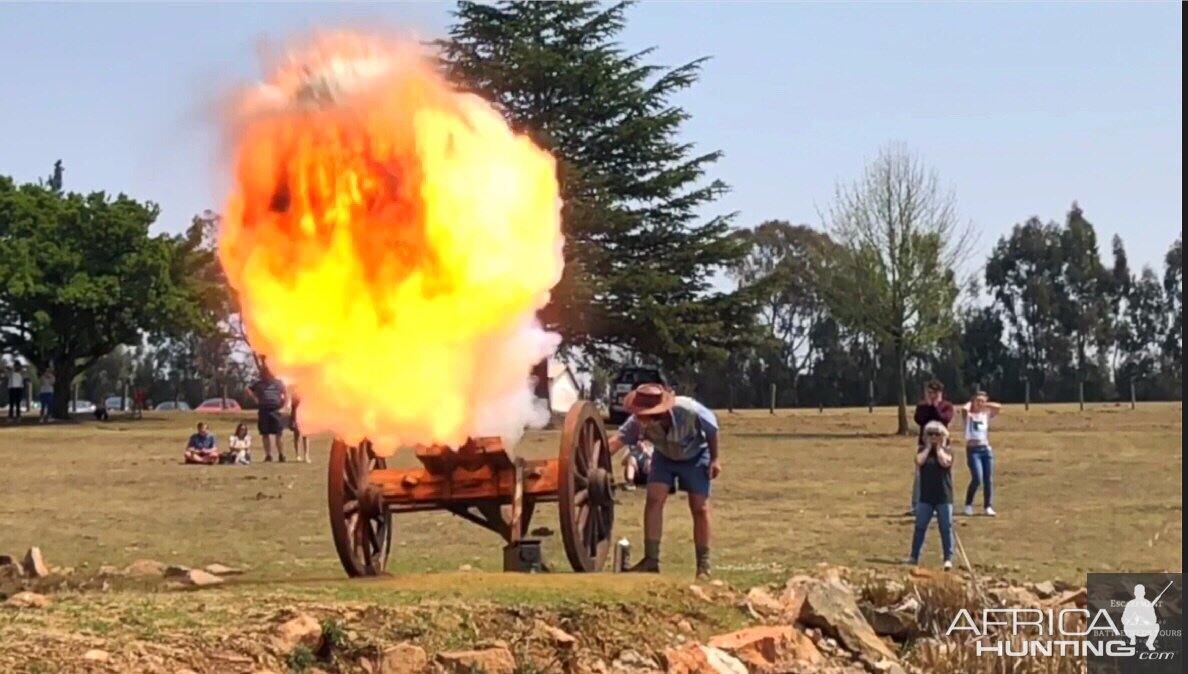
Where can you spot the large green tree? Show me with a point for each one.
(640, 259)
(80, 274)
(781, 268)
(894, 273)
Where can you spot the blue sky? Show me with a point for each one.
(1022, 108)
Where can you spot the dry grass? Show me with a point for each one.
(1099, 490)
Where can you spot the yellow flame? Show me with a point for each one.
(390, 240)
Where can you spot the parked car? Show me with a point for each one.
(118, 404)
(171, 406)
(625, 382)
(82, 407)
(217, 405)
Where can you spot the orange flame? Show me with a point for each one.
(390, 240)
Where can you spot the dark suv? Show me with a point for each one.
(626, 381)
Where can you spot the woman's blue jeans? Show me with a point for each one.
(944, 520)
(981, 472)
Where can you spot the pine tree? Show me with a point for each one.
(639, 260)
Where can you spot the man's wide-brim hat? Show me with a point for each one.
(649, 399)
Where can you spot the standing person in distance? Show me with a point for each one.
(270, 394)
(16, 390)
(932, 408)
(684, 437)
(978, 454)
(45, 394)
(300, 440)
(935, 462)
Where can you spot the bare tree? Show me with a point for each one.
(900, 243)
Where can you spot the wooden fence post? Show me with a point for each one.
(1081, 394)
(1027, 395)
(773, 398)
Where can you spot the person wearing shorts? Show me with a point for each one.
(269, 392)
(684, 437)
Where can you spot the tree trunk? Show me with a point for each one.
(901, 388)
(64, 373)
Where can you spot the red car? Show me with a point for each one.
(211, 405)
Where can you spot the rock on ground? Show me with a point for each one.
(28, 600)
(145, 568)
(698, 659)
(35, 563)
(832, 608)
(403, 659)
(200, 578)
(303, 630)
(222, 570)
(493, 660)
(766, 647)
(96, 655)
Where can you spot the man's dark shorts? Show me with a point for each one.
(270, 422)
(690, 476)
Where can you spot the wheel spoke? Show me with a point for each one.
(582, 516)
(350, 507)
(580, 498)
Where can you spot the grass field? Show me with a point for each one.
(1076, 491)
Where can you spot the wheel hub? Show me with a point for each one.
(371, 502)
(601, 487)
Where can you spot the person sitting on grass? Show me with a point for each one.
(935, 462)
(240, 446)
(636, 465)
(201, 448)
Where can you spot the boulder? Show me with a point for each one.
(698, 659)
(28, 600)
(762, 602)
(176, 571)
(494, 660)
(303, 630)
(832, 608)
(899, 623)
(96, 655)
(200, 578)
(11, 570)
(701, 593)
(767, 647)
(631, 662)
(792, 597)
(145, 568)
(1043, 590)
(403, 659)
(35, 564)
(555, 635)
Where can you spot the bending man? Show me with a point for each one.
(685, 437)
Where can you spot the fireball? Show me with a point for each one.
(390, 240)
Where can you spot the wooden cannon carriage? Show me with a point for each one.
(481, 482)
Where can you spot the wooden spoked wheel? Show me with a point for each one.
(585, 489)
(359, 520)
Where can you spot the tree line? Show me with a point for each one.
(877, 298)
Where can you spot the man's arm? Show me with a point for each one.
(628, 434)
(922, 415)
(945, 411)
(944, 457)
(994, 408)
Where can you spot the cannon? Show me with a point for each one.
(482, 482)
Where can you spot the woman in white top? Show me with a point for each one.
(16, 389)
(978, 454)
